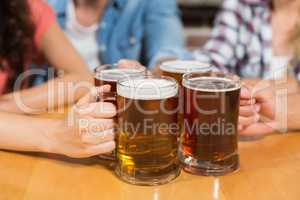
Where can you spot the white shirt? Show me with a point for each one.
(83, 38)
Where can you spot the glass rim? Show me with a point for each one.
(187, 83)
(174, 82)
(119, 72)
(148, 87)
(103, 67)
(115, 66)
(175, 66)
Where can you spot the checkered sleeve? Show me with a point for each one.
(220, 50)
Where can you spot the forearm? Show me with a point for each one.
(27, 134)
(53, 94)
(293, 112)
(57, 92)
(290, 84)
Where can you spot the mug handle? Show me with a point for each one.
(110, 97)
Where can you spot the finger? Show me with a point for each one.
(123, 63)
(248, 111)
(258, 129)
(240, 127)
(245, 93)
(244, 102)
(102, 148)
(264, 96)
(93, 150)
(246, 121)
(92, 125)
(98, 110)
(91, 96)
(99, 137)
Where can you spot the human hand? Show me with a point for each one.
(91, 131)
(124, 63)
(257, 110)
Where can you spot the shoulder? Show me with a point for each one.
(43, 18)
(37, 5)
(40, 9)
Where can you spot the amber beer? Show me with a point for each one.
(147, 139)
(211, 108)
(176, 69)
(110, 74)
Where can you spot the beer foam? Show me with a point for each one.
(147, 89)
(211, 84)
(182, 66)
(113, 75)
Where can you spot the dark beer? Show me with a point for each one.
(110, 74)
(211, 110)
(147, 138)
(176, 69)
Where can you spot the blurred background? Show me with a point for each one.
(198, 17)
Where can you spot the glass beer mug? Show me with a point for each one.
(148, 130)
(176, 69)
(209, 144)
(109, 75)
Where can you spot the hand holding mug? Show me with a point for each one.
(91, 131)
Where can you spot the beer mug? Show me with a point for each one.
(176, 69)
(109, 75)
(148, 130)
(209, 144)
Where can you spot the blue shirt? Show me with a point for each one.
(135, 29)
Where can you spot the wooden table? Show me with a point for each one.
(270, 170)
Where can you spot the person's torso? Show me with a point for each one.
(121, 30)
(254, 50)
(83, 38)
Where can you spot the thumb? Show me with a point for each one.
(92, 95)
(245, 92)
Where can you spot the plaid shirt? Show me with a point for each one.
(241, 41)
